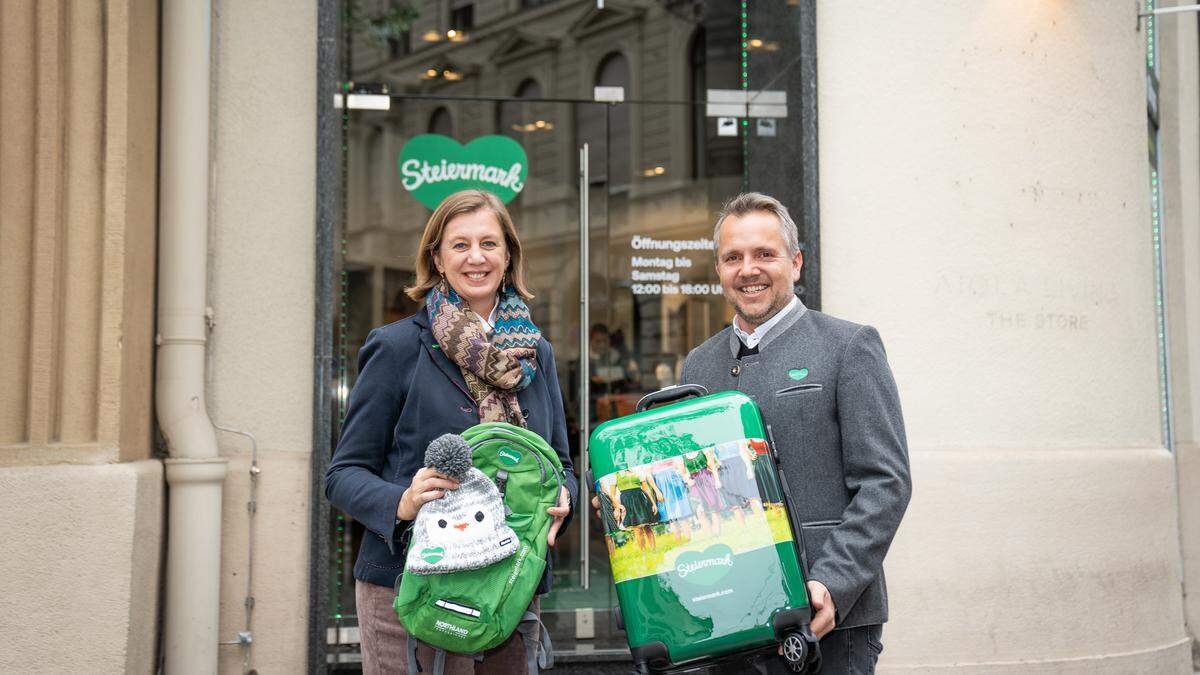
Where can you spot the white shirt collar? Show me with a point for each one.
(490, 322)
(751, 340)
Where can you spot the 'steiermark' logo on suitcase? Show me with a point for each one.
(707, 567)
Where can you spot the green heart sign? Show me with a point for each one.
(707, 567)
(798, 373)
(432, 555)
(432, 167)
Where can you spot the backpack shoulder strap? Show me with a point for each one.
(539, 652)
(414, 666)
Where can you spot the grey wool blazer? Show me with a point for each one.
(825, 389)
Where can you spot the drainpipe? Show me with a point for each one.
(194, 470)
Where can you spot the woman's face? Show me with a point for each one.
(473, 257)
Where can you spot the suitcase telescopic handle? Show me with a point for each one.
(668, 394)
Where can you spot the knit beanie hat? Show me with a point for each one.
(465, 529)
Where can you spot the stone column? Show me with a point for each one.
(985, 202)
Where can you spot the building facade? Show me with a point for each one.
(984, 182)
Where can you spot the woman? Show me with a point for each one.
(769, 488)
(738, 489)
(441, 371)
(611, 513)
(674, 509)
(704, 490)
(640, 507)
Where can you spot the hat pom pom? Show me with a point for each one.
(449, 454)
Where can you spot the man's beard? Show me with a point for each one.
(756, 320)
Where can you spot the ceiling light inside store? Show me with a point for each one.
(431, 36)
(442, 72)
(540, 125)
(656, 171)
(759, 43)
(456, 35)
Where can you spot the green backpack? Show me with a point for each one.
(469, 611)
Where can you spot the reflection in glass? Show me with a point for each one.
(658, 174)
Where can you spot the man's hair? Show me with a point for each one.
(752, 202)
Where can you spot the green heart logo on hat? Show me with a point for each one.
(705, 568)
(433, 554)
(433, 166)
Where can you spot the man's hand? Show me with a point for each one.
(427, 485)
(823, 621)
(559, 512)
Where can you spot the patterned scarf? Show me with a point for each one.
(495, 367)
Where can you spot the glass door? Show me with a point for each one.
(647, 265)
(395, 173)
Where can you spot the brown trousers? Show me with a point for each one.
(384, 642)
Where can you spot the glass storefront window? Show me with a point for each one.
(660, 165)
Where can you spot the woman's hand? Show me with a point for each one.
(559, 512)
(427, 485)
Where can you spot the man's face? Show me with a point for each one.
(756, 271)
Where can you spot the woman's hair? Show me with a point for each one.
(466, 201)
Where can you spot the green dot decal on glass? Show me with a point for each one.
(433, 166)
(509, 456)
(432, 555)
(798, 373)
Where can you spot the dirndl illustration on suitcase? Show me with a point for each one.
(706, 558)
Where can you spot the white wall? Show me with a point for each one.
(985, 203)
(1180, 177)
(262, 291)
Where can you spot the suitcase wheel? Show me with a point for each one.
(795, 651)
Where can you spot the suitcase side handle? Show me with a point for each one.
(668, 394)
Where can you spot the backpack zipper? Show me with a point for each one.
(541, 462)
(541, 465)
(517, 439)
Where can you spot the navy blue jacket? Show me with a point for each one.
(407, 394)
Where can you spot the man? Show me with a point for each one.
(826, 391)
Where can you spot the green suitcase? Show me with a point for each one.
(705, 556)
